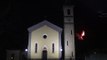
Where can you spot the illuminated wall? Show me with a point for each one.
(69, 41)
(36, 36)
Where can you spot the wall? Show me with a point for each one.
(17, 54)
(52, 37)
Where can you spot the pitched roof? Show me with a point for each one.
(45, 22)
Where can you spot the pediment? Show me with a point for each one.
(45, 22)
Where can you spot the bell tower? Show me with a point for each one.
(69, 43)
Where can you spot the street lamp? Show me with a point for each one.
(26, 50)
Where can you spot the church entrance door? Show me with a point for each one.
(44, 55)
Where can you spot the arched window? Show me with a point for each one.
(71, 32)
(68, 11)
(67, 43)
(12, 56)
(72, 54)
(36, 47)
(53, 47)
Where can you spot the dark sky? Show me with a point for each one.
(16, 16)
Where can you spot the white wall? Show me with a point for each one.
(37, 37)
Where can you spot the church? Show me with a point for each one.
(45, 38)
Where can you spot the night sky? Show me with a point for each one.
(16, 16)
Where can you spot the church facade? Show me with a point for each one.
(44, 41)
(45, 38)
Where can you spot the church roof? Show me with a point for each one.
(45, 22)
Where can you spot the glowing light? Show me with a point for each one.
(83, 33)
(26, 50)
(61, 50)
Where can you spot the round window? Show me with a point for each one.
(44, 36)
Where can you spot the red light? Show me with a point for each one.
(81, 35)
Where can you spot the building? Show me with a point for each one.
(45, 38)
(69, 44)
(14, 55)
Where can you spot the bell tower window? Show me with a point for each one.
(71, 32)
(67, 43)
(12, 56)
(68, 11)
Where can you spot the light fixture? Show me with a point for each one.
(26, 49)
(61, 50)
